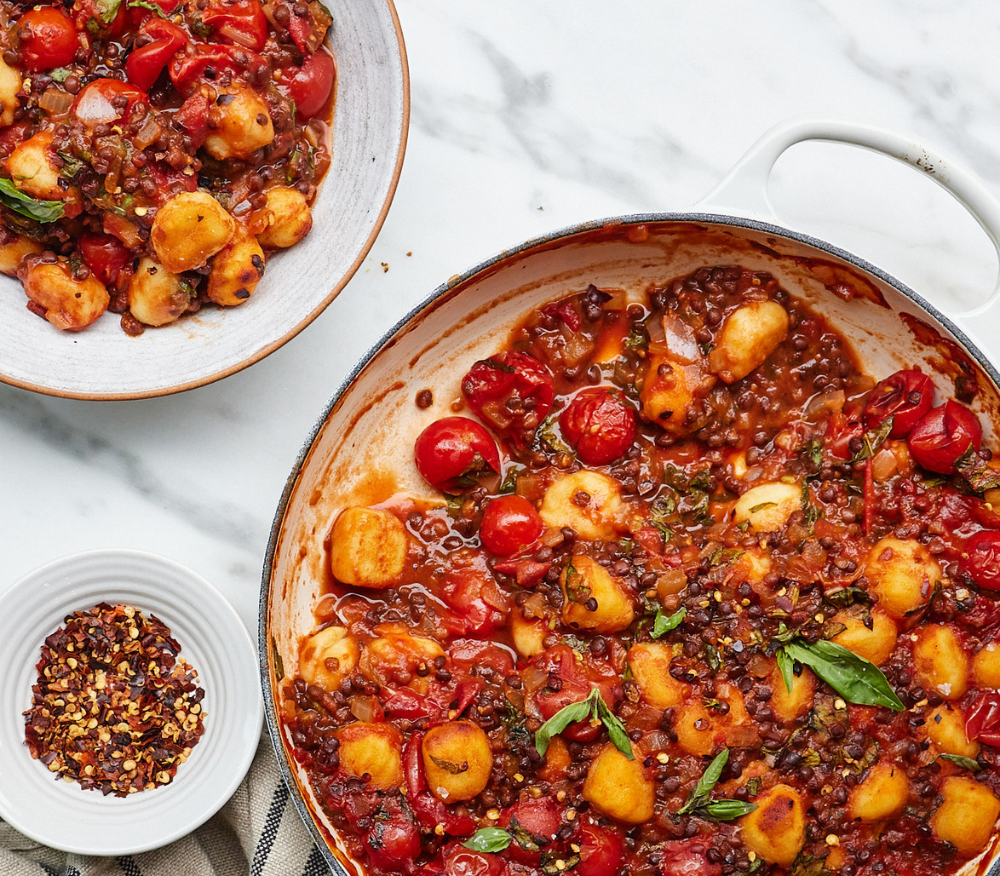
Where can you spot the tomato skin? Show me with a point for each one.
(309, 85)
(943, 436)
(481, 605)
(53, 42)
(576, 684)
(688, 858)
(981, 560)
(510, 524)
(599, 425)
(983, 719)
(541, 818)
(94, 104)
(106, 256)
(512, 393)
(451, 453)
(393, 844)
(459, 861)
(202, 60)
(243, 23)
(145, 64)
(192, 116)
(601, 851)
(905, 396)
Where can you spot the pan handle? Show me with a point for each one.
(744, 190)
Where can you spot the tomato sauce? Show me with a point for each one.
(699, 599)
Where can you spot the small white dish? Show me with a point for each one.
(212, 639)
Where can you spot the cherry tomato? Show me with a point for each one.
(453, 452)
(392, 842)
(207, 60)
(309, 85)
(512, 393)
(106, 256)
(981, 560)
(983, 719)
(90, 17)
(53, 41)
(576, 683)
(145, 64)
(540, 818)
(510, 524)
(242, 23)
(459, 861)
(943, 436)
(601, 851)
(192, 116)
(100, 102)
(474, 594)
(688, 858)
(600, 426)
(905, 396)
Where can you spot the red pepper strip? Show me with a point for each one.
(413, 765)
(145, 64)
(528, 573)
(869, 497)
(407, 704)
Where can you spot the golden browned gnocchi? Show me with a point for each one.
(619, 788)
(372, 750)
(588, 502)
(776, 829)
(940, 661)
(880, 795)
(236, 269)
(189, 229)
(10, 85)
(903, 574)
(766, 508)
(33, 168)
(649, 663)
(593, 599)
(285, 218)
(242, 125)
(14, 252)
(327, 657)
(155, 295)
(68, 303)
(870, 634)
(749, 335)
(458, 760)
(967, 815)
(368, 548)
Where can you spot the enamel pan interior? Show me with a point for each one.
(371, 116)
(360, 450)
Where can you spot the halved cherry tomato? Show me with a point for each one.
(90, 16)
(459, 861)
(983, 719)
(575, 684)
(106, 256)
(981, 560)
(106, 100)
(392, 841)
(145, 64)
(53, 41)
(512, 392)
(688, 857)
(207, 60)
(243, 23)
(905, 396)
(601, 851)
(540, 818)
(509, 525)
(600, 426)
(943, 436)
(474, 594)
(309, 85)
(452, 453)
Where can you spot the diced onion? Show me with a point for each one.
(148, 134)
(55, 101)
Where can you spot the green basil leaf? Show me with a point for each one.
(663, 624)
(725, 810)
(615, 728)
(562, 719)
(144, 4)
(979, 476)
(857, 680)
(873, 441)
(25, 205)
(107, 10)
(966, 762)
(787, 666)
(706, 784)
(60, 74)
(489, 840)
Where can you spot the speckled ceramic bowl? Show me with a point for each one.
(360, 451)
(369, 137)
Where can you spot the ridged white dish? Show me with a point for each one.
(213, 640)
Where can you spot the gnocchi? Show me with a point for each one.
(189, 229)
(458, 760)
(593, 599)
(368, 548)
(587, 502)
(66, 302)
(285, 218)
(619, 788)
(242, 125)
(903, 575)
(155, 295)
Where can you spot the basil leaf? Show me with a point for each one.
(857, 680)
(873, 441)
(449, 766)
(787, 666)
(663, 624)
(107, 10)
(725, 810)
(981, 477)
(60, 74)
(562, 719)
(25, 205)
(706, 784)
(489, 840)
(152, 7)
(966, 762)
(615, 728)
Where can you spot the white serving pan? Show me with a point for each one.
(360, 451)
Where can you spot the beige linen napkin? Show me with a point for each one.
(257, 833)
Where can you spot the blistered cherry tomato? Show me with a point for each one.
(599, 425)
(106, 256)
(453, 452)
(576, 682)
(145, 64)
(90, 15)
(53, 41)
(983, 719)
(242, 22)
(688, 858)
(512, 393)
(459, 861)
(943, 436)
(905, 396)
(510, 524)
(479, 602)
(541, 818)
(601, 851)
(95, 105)
(188, 68)
(981, 560)
(392, 842)
(309, 85)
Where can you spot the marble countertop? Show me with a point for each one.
(527, 117)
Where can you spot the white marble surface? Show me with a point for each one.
(528, 116)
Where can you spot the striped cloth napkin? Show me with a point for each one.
(257, 833)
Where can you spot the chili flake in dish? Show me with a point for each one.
(115, 707)
(154, 152)
(690, 593)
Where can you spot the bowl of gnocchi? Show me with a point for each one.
(157, 214)
(664, 544)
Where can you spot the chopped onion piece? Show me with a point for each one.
(55, 101)
(148, 134)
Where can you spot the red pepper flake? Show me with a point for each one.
(114, 708)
